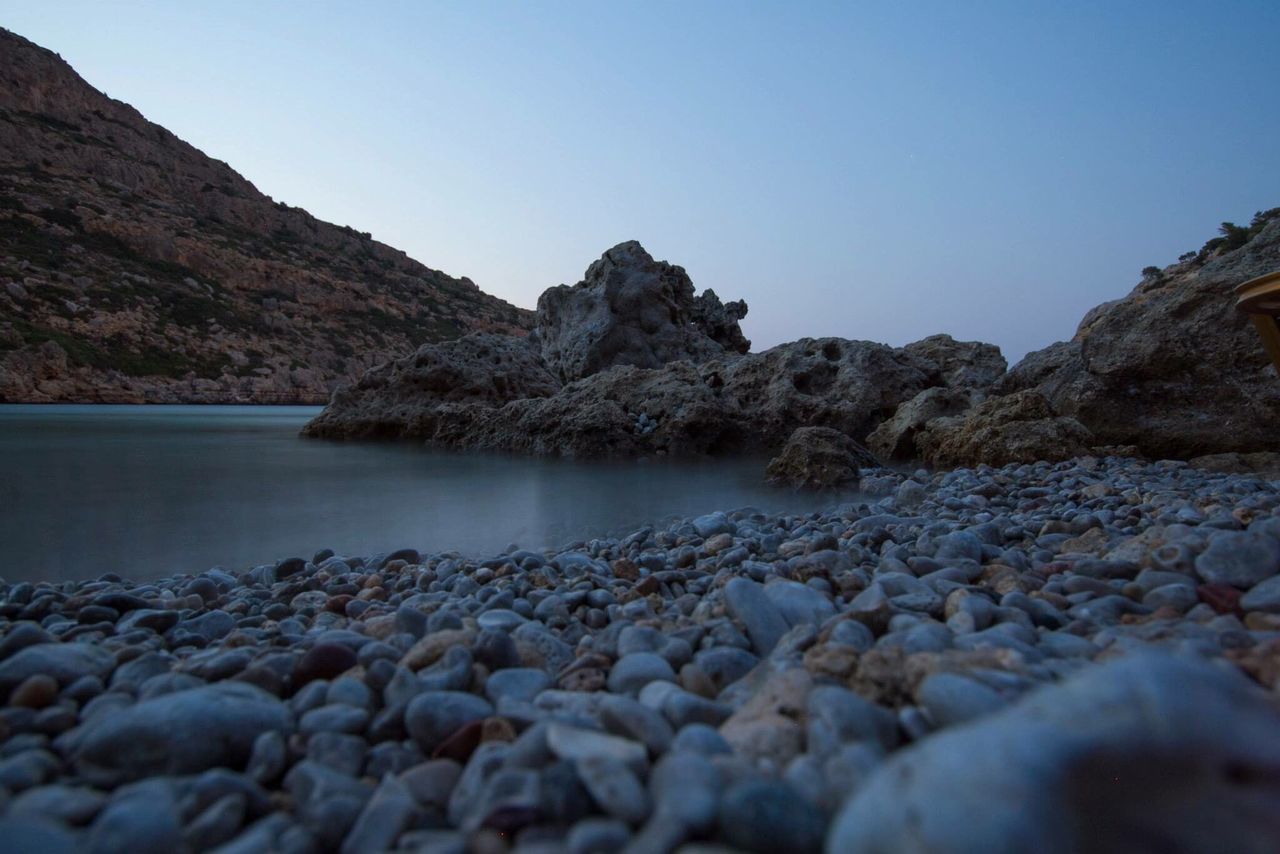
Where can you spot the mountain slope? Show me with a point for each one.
(135, 268)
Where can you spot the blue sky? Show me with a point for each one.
(869, 170)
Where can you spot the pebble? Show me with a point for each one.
(767, 816)
(433, 716)
(737, 680)
(632, 672)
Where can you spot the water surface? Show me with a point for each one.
(146, 491)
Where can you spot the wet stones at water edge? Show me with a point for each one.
(932, 664)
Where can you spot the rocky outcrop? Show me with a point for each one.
(719, 321)
(1017, 428)
(818, 458)
(134, 268)
(731, 404)
(651, 370)
(632, 310)
(1172, 368)
(408, 398)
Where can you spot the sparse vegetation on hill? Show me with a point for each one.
(135, 268)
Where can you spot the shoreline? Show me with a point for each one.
(758, 681)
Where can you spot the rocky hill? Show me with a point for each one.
(135, 268)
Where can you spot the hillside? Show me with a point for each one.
(134, 268)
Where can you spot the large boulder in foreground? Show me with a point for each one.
(632, 310)
(1146, 753)
(407, 398)
(1172, 368)
(1016, 428)
(818, 458)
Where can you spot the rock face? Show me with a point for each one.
(731, 404)
(895, 438)
(1172, 368)
(1056, 773)
(133, 268)
(632, 310)
(850, 386)
(818, 458)
(406, 398)
(1017, 428)
(961, 364)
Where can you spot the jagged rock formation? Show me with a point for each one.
(1172, 368)
(134, 268)
(818, 458)
(632, 310)
(659, 373)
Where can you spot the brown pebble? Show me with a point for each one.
(461, 744)
(625, 569)
(323, 661)
(1222, 598)
(338, 604)
(497, 729)
(695, 681)
(35, 692)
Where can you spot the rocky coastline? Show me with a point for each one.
(1048, 656)
(629, 363)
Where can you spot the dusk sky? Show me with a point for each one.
(868, 170)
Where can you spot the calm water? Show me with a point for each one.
(146, 491)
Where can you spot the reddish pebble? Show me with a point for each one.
(1222, 598)
(338, 604)
(35, 692)
(323, 661)
(461, 744)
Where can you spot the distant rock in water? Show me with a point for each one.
(818, 458)
(632, 310)
(409, 397)
(649, 369)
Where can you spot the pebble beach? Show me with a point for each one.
(848, 680)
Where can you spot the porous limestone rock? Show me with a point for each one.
(631, 310)
(818, 458)
(1020, 427)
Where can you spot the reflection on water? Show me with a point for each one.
(145, 491)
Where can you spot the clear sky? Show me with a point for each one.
(862, 169)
